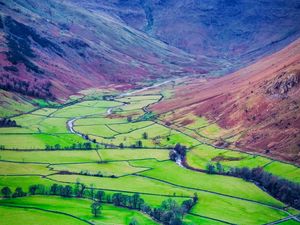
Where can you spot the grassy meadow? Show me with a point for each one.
(128, 153)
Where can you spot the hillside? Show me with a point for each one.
(54, 48)
(234, 33)
(259, 104)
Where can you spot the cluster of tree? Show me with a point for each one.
(179, 151)
(7, 193)
(7, 123)
(35, 88)
(132, 202)
(78, 146)
(282, 189)
(217, 168)
(170, 212)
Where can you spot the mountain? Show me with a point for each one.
(258, 105)
(233, 32)
(55, 48)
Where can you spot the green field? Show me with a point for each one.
(129, 169)
(79, 208)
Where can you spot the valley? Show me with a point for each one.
(137, 112)
(120, 146)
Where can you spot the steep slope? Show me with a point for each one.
(55, 47)
(235, 32)
(260, 103)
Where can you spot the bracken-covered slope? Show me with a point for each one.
(56, 48)
(260, 103)
(235, 32)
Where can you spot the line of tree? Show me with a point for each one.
(168, 213)
(75, 146)
(4, 122)
(280, 188)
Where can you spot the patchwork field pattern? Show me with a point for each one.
(128, 152)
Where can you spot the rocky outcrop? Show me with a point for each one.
(283, 83)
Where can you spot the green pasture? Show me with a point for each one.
(284, 170)
(13, 216)
(38, 141)
(96, 130)
(106, 169)
(9, 168)
(133, 154)
(128, 183)
(201, 155)
(235, 211)
(79, 208)
(100, 121)
(170, 172)
(60, 156)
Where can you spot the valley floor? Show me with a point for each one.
(119, 146)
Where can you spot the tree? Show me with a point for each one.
(135, 200)
(6, 192)
(96, 209)
(66, 191)
(219, 167)
(33, 189)
(139, 144)
(129, 119)
(133, 221)
(18, 193)
(54, 189)
(187, 205)
(180, 150)
(100, 196)
(195, 198)
(145, 135)
(210, 168)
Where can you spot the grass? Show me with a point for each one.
(13, 103)
(100, 121)
(169, 171)
(8, 168)
(23, 181)
(159, 176)
(44, 111)
(138, 98)
(97, 130)
(81, 209)
(234, 210)
(127, 183)
(38, 141)
(13, 216)
(50, 156)
(289, 222)
(77, 111)
(133, 154)
(193, 220)
(106, 169)
(199, 156)
(128, 127)
(284, 170)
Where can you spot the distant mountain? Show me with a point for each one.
(258, 105)
(54, 48)
(234, 32)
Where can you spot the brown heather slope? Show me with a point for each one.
(261, 102)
